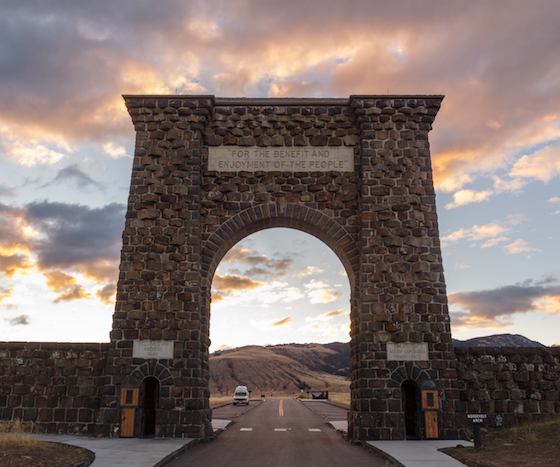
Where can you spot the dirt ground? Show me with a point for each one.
(535, 444)
(39, 454)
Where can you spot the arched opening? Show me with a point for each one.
(278, 295)
(410, 394)
(150, 399)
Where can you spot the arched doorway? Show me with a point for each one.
(150, 398)
(282, 292)
(410, 394)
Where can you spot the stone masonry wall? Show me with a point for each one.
(55, 385)
(516, 384)
(402, 296)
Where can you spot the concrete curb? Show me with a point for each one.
(90, 455)
(173, 455)
(382, 454)
(464, 460)
(219, 430)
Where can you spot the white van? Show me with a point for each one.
(241, 395)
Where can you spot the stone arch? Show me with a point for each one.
(377, 214)
(271, 215)
(407, 371)
(150, 368)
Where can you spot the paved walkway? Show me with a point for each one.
(413, 453)
(111, 452)
(124, 452)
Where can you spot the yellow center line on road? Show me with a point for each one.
(281, 408)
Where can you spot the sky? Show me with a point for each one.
(66, 145)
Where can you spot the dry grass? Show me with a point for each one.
(342, 398)
(14, 433)
(219, 399)
(19, 449)
(527, 444)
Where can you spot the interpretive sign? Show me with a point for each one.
(408, 351)
(477, 417)
(152, 349)
(281, 158)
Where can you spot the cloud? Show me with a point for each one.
(15, 231)
(320, 292)
(107, 294)
(495, 307)
(279, 292)
(302, 48)
(27, 152)
(494, 241)
(489, 235)
(114, 150)
(7, 191)
(464, 197)
(543, 165)
(4, 294)
(58, 281)
(476, 233)
(20, 320)
(308, 271)
(76, 292)
(77, 177)
(554, 200)
(260, 264)
(65, 286)
(227, 286)
(328, 316)
(519, 246)
(233, 283)
(78, 237)
(60, 240)
(334, 313)
(512, 185)
(500, 185)
(11, 265)
(283, 322)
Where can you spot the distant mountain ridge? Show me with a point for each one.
(498, 340)
(290, 368)
(285, 369)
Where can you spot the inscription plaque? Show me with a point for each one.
(281, 158)
(152, 349)
(408, 351)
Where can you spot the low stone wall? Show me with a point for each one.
(58, 386)
(55, 385)
(512, 385)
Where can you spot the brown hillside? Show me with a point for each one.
(288, 368)
(275, 369)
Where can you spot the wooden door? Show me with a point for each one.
(129, 403)
(431, 424)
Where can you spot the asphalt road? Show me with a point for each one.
(278, 433)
